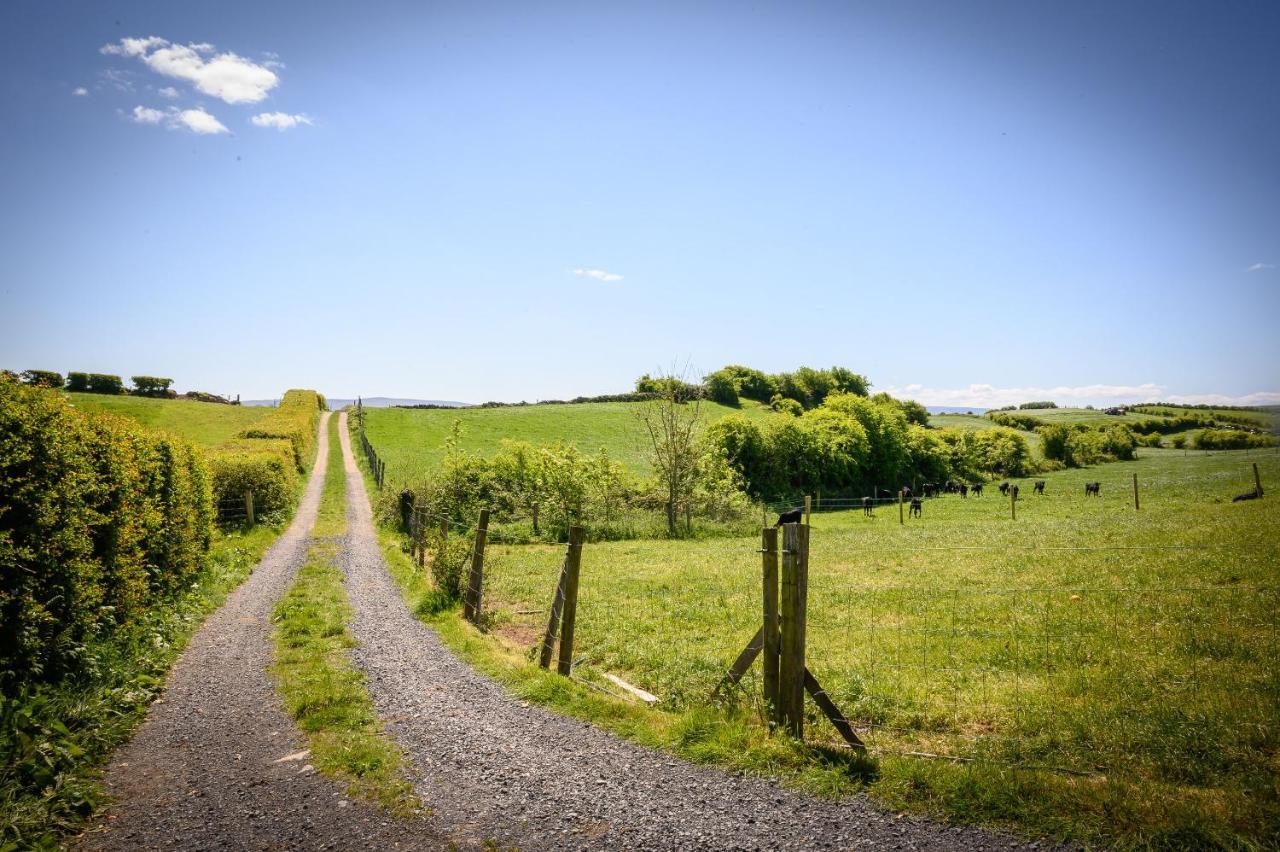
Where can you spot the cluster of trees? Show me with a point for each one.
(855, 444)
(1231, 439)
(1047, 403)
(154, 386)
(1079, 445)
(806, 387)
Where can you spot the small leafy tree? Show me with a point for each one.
(78, 382)
(673, 427)
(104, 383)
(151, 386)
(42, 378)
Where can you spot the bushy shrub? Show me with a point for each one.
(1040, 404)
(264, 467)
(42, 378)
(104, 383)
(1179, 442)
(295, 420)
(1231, 439)
(100, 520)
(664, 386)
(786, 405)
(721, 388)
(1079, 445)
(151, 386)
(78, 382)
(1025, 422)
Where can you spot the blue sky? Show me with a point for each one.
(971, 203)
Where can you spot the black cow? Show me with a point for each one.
(867, 504)
(930, 489)
(1248, 495)
(916, 507)
(1094, 488)
(794, 516)
(964, 491)
(1004, 488)
(1039, 488)
(976, 488)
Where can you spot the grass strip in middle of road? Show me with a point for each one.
(323, 690)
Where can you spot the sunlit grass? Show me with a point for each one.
(205, 423)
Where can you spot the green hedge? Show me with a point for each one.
(296, 420)
(263, 466)
(99, 520)
(1230, 439)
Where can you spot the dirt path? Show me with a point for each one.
(494, 769)
(204, 770)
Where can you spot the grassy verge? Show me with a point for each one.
(50, 774)
(1073, 637)
(323, 690)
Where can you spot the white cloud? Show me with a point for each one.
(279, 120)
(1258, 267)
(598, 274)
(198, 121)
(990, 396)
(80, 91)
(226, 76)
(147, 115)
(168, 92)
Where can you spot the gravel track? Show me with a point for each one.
(493, 769)
(202, 771)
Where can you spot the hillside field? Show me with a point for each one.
(412, 441)
(1110, 670)
(205, 423)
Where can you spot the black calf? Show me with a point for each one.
(1094, 488)
(1039, 489)
(1004, 488)
(794, 516)
(867, 504)
(976, 488)
(916, 507)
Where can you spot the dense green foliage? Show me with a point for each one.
(294, 420)
(854, 444)
(151, 386)
(1047, 403)
(100, 521)
(1080, 445)
(1231, 439)
(42, 378)
(104, 383)
(78, 382)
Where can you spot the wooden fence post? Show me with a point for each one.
(769, 552)
(553, 622)
(901, 496)
(794, 605)
(422, 537)
(471, 602)
(573, 563)
(1257, 480)
(248, 506)
(1013, 504)
(535, 520)
(1136, 505)
(808, 507)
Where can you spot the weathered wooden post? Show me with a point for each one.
(553, 622)
(1136, 505)
(793, 618)
(808, 507)
(771, 644)
(901, 496)
(1257, 480)
(248, 506)
(422, 537)
(535, 518)
(1013, 502)
(471, 602)
(573, 563)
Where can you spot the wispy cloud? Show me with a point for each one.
(227, 76)
(990, 396)
(1258, 267)
(168, 92)
(80, 91)
(598, 274)
(279, 120)
(195, 120)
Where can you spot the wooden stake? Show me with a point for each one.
(745, 658)
(829, 709)
(573, 563)
(901, 497)
(1257, 481)
(422, 537)
(808, 507)
(534, 509)
(553, 623)
(794, 604)
(248, 504)
(1013, 504)
(471, 602)
(1136, 504)
(771, 644)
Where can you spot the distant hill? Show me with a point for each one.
(370, 402)
(952, 409)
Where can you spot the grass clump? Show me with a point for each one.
(322, 689)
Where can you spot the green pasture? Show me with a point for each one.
(411, 441)
(205, 423)
(1110, 672)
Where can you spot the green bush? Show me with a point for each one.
(104, 383)
(151, 386)
(1079, 445)
(1038, 404)
(1231, 439)
(42, 378)
(295, 420)
(721, 387)
(264, 467)
(78, 382)
(100, 520)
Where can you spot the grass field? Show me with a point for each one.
(411, 441)
(1111, 672)
(205, 423)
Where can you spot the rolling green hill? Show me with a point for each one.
(206, 423)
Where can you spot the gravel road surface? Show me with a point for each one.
(494, 769)
(205, 770)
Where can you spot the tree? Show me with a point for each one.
(42, 378)
(151, 386)
(673, 429)
(721, 387)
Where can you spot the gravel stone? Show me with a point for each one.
(494, 769)
(202, 770)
